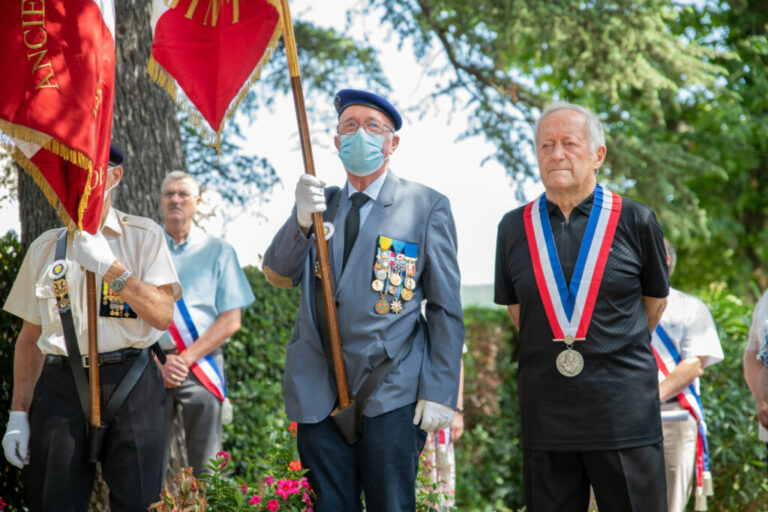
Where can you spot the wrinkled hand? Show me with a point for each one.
(457, 426)
(16, 439)
(432, 415)
(174, 370)
(310, 198)
(92, 252)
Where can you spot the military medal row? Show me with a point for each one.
(394, 272)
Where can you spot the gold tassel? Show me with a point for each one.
(46, 141)
(701, 500)
(34, 172)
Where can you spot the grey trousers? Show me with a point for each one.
(201, 413)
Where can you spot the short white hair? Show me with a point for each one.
(181, 175)
(595, 133)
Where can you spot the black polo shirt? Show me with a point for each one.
(614, 402)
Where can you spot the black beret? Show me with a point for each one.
(346, 97)
(115, 156)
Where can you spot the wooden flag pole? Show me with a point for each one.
(93, 350)
(317, 218)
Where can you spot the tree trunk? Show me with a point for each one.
(146, 130)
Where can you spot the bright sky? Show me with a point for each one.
(428, 153)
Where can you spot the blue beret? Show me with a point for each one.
(115, 156)
(346, 97)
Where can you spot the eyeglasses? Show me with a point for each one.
(368, 126)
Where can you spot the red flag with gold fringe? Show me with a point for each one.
(213, 50)
(57, 96)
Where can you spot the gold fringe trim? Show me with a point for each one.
(34, 172)
(167, 82)
(46, 141)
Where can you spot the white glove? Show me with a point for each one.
(310, 198)
(16, 439)
(433, 416)
(93, 252)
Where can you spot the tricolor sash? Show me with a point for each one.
(184, 334)
(569, 307)
(667, 358)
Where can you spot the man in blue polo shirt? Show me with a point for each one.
(215, 289)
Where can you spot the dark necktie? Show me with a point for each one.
(352, 225)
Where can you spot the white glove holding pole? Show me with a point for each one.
(310, 198)
(16, 439)
(93, 252)
(433, 416)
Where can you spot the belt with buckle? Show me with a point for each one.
(117, 357)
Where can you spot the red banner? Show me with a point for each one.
(214, 50)
(56, 98)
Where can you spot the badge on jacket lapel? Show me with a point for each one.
(394, 274)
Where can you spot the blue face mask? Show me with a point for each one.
(360, 152)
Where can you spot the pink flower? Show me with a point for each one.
(272, 505)
(304, 482)
(255, 500)
(225, 456)
(306, 499)
(308, 509)
(269, 480)
(286, 487)
(243, 488)
(3, 504)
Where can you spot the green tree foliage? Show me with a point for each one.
(680, 87)
(728, 126)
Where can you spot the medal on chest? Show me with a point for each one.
(393, 271)
(113, 305)
(569, 307)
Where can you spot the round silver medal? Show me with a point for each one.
(569, 362)
(381, 275)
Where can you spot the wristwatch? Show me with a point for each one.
(118, 283)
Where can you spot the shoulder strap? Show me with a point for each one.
(70, 337)
(377, 376)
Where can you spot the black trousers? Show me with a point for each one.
(382, 464)
(60, 476)
(630, 480)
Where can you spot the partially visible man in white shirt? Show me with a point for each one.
(687, 329)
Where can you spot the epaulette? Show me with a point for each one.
(137, 221)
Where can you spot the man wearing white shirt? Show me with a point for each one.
(688, 324)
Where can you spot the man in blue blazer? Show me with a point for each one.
(392, 245)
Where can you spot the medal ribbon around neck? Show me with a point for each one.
(569, 308)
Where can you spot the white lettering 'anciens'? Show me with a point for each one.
(35, 37)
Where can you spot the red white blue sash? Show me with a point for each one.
(184, 334)
(667, 358)
(569, 307)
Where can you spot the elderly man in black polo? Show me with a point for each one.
(583, 273)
